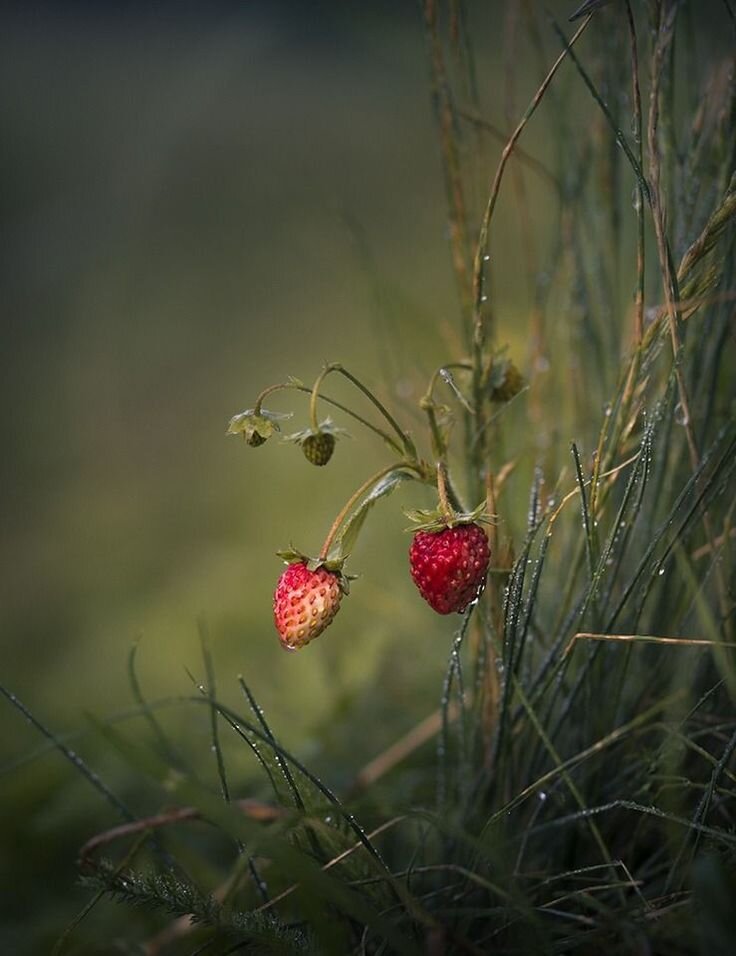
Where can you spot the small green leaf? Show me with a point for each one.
(349, 537)
(292, 556)
(353, 526)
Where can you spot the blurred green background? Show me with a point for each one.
(183, 186)
(177, 188)
(189, 197)
(199, 200)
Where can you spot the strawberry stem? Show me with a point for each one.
(330, 401)
(357, 495)
(408, 445)
(264, 393)
(313, 400)
(439, 445)
(445, 506)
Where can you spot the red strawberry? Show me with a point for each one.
(449, 567)
(304, 603)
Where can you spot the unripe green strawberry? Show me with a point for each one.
(318, 441)
(449, 566)
(507, 382)
(318, 447)
(305, 603)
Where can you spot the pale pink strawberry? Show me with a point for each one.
(305, 603)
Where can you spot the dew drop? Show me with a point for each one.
(680, 414)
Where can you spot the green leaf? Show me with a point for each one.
(352, 527)
(291, 556)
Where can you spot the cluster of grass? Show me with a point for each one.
(580, 796)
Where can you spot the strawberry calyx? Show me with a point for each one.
(332, 563)
(317, 443)
(438, 519)
(325, 427)
(256, 425)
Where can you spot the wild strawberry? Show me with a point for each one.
(318, 442)
(318, 447)
(449, 566)
(505, 381)
(256, 427)
(304, 603)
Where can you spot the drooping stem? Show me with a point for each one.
(330, 401)
(406, 442)
(357, 495)
(313, 400)
(266, 392)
